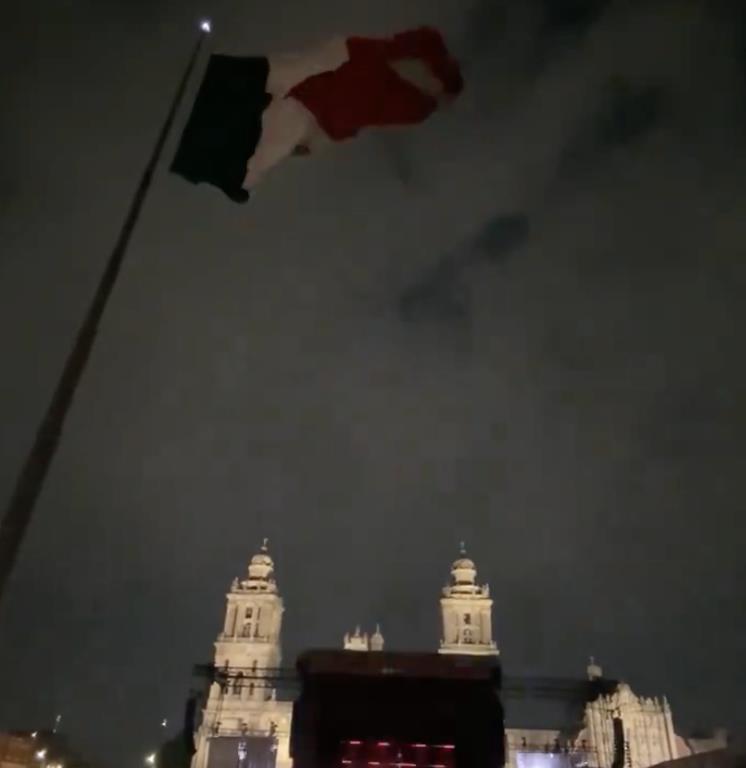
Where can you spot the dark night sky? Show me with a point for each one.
(518, 324)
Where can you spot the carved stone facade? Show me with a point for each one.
(242, 711)
(647, 726)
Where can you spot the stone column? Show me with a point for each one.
(636, 741)
(486, 626)
(199, 760)
(596, 737)
(273, 624)
(607, 736)
(647, 757)
(238, 624)
(230, 619)
(670, 734)
(592, 736)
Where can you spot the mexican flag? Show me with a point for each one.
(252, 112)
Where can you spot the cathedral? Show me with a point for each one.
(245, 724)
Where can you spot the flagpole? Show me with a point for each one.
(31, 478)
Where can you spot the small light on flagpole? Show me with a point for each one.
(205, 26)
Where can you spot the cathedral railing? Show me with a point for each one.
(219, 730)
(223, 638)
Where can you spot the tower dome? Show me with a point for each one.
(463, 570)
(261, 571)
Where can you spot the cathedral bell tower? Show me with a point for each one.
(250, 640)
(243, 723)
(466, 608)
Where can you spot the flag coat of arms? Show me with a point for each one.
(250, 113)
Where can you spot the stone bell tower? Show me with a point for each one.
(250, 640)
(242, 713)
(466, 609)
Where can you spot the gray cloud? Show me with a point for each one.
(442, 293)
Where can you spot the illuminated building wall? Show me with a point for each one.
(246, 708)
(647, 725)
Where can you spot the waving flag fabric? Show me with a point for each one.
(252, 112)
